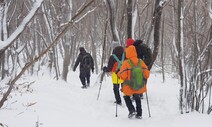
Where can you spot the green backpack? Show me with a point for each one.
(136, 81)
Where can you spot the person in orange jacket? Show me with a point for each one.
(126, 89)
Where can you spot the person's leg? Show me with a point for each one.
(82, 79)
(116, 93)
(88, 75)
(130, 106)
(141, 96)
(138, 105)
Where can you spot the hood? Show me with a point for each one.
(131, 52)
(82, 49)
(118, 51)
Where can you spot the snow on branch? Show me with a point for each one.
(210, 13)
(162, 2)
(85, 15)
(79, 11)
(5, 44)
(204, 51)
(205, 71)
(209, 8)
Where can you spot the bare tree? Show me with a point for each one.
(112, 10)
(157, 24)
(65, 28)
(181, 54)
(12, 38)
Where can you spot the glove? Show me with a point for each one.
(92, 69)
(104, 69)
(74, 69)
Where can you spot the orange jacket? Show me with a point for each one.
(125, 75)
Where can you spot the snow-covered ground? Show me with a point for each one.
(50, 103)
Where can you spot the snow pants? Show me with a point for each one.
(130, 105)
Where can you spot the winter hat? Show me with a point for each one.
(129, 42)
(137, 42)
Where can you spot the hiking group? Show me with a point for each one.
(129, 68)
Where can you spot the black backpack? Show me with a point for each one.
(86, 61)
(145, 53)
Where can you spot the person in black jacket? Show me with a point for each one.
(112, 67)
(84, 70)
(143, 52)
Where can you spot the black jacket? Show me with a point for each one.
(143, 52)
(79, 61)
(118, 51)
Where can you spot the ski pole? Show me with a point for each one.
(101, 79)
(147, 100)
(116, 101)
(116, 109)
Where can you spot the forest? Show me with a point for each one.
(38, 34)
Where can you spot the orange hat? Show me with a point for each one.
(129, 42)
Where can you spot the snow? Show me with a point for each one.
(162, 2)
(210, 13)
(50, 103)
(209, 8)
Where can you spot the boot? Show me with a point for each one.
(131, 114)
(130, 106)
(84, 86)
(88, 84)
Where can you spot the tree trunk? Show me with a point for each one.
(67, 57)
(129, 18)
(94, 42)
(162, 50)
(112, 10)
(104, 43)
(157, 24)
(181, 55)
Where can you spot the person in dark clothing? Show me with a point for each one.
(143, 52)
(112, 66)
(84, 71)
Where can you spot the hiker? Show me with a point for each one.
(113, 67)
(125, 74)
(86, 65)
(143, 52)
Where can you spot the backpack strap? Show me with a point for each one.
(132, 64)
(139, 62)
(123, 56)
(119, 61)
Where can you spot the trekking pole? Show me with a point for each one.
(101, 79)
(147, 100)
(116, 109)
